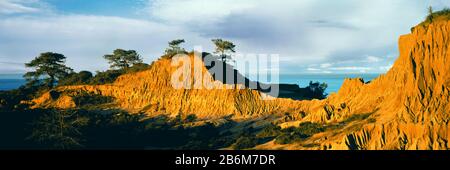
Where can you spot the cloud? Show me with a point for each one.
(352, 68)
(11, 67)
(198, 11)
(83, 39)
(325, 65)
(367, 64)
(301, 31)
(440, 3)
(332, 24)
(385, 68)
(20, 6)
(313, 69)
(308, 35)
(373, 59)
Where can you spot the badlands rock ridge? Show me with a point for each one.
(407, 108)
(153, 93)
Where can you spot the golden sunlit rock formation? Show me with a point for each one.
(406, 108)
(152, 92)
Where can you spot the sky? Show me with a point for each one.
(310, 36)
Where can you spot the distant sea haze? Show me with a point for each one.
(11, 81)
(334, 81)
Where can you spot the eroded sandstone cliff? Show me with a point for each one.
(407, 108)
(152, 92)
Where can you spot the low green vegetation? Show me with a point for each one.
(295, 134)
(316, 90)
(245, 142)
(83, 77)
(85, 129)
(291, 134)
(269, 131)
(109, 76)
(11, 100)
(105, 77)
(59, 130)
(182, 119)
(191, 118)
(90, 100)
(356, 117)
(305, 129)
(433, 15)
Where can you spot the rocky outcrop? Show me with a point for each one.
(406, 108)
(152, 92)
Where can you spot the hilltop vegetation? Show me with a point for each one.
(434, 16)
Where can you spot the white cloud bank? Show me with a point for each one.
(309, 35)
(83, 39)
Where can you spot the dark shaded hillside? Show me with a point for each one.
(229, 75)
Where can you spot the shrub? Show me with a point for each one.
(83, 77)
(137, 68)
(245, 142)
(106, 77)
(296, 134)
(90, 99)
(59, 129)
(220, 141)
(110, 76)
(309, 129)
(11, 100)
(285, 138)
(357, 117)
(190, 118)
(432, 15)
(124, 118)
(269, 131)
(316, 90)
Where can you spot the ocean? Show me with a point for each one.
(11, 81)
(334, 81)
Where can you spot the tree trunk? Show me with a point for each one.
(52, 81)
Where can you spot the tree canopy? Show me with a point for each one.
(430, 13)
(317, 90)
(174, 47)
(83, 77)
(123, 59)
(223, 48)
(436, 15)
(48, 67)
